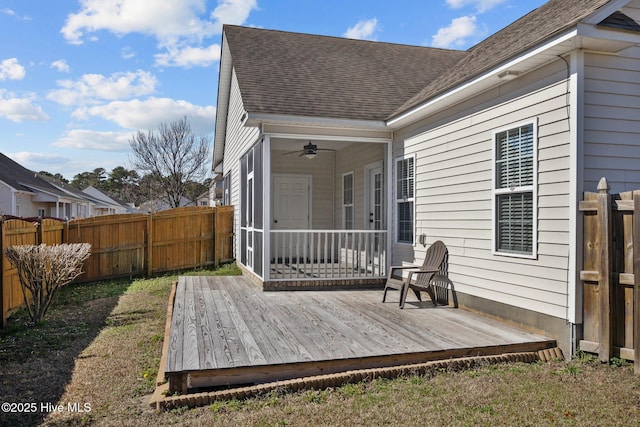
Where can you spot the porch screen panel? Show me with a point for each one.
(243, 191)
(257, 252)
(258, 191)
(243, 207)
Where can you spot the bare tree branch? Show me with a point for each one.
(174, 156)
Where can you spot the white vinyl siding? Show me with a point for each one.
(454, 191)
(612, 120)
(514, 194)
(238, 140)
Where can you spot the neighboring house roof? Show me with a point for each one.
(550, 19)
(158, 205)
(321, 76)
(22, 179)
(108, 199)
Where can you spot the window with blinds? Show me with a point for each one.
(405, 199)
(347, 201)
(514, 191)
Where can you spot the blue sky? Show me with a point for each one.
(79, 78)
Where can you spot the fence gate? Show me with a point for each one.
(611, 310)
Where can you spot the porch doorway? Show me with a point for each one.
(375, 211)
(291, 211)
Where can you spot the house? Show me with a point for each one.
(157, 205)
(107, 204)
(204, 199)
(24, 193)
(343, 157)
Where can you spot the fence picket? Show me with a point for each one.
(125, 245)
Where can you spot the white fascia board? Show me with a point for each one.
(605, 11)
(627, 38)
(474, 85)
(319, 137)
(225, 76)
(257, 120)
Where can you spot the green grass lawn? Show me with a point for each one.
(100, 345)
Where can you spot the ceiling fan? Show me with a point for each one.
(309, 151)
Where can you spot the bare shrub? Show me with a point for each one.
(43, 269)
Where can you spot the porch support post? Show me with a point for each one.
(266, 208)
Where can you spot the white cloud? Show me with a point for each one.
(178, 26)
(148, 114)
(84, 139)
(7, 11)
(127, 52)
(91, 88)
(481, 6)
(167, 20)
(456, 34)
(61, 65)
(34, 161)
(362, 30)
(20, 109)
(10, 69)
(232, 12)
(189, 56)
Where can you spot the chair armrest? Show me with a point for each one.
(400, 267)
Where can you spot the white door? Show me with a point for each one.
(375, 193)
(291, 211)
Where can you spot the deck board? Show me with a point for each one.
(226, 330)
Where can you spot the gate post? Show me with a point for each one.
(636, 282)
(605, 252)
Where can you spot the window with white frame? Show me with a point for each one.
(514, 190)
(405, 170)
(226, 190)
(347, 201)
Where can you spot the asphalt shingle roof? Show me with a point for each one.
(319, 76)
(21, 178)
(548, 20)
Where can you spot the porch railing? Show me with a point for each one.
(328, 254)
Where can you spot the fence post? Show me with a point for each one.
(605, 252)
(149, 244)
(2, 266)
(636, 282)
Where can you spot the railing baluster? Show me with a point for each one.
(350, 253)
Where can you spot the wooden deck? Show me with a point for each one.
(225, 331)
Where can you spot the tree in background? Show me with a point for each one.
(174, 156)
(95, 178)
(57, 176)
(122, 183)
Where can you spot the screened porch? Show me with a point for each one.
(315, 215)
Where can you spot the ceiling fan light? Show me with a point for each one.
(310, 151)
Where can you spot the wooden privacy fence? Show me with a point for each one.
(611, 313)
(126, 245)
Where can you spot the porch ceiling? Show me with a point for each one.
(285, 144)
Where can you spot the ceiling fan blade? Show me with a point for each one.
(291, 152)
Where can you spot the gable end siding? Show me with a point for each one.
(612, 120)
(454, 186)
(238, 140)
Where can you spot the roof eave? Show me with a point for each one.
(561, 43)
(222, 107)
(585, 35)
(259, 119)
